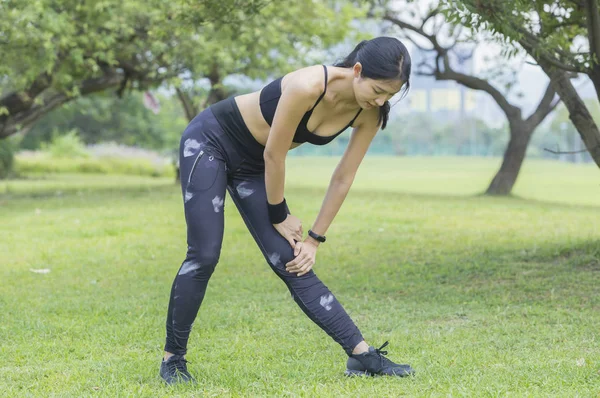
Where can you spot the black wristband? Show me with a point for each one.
(277, 213)
(316, 236)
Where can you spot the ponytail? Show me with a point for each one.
(384, 114)
(382, 58)
(352, 58)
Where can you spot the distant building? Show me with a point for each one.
(447, 100)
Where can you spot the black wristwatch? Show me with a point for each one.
(316, 236)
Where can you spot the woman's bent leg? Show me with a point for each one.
(313, 297)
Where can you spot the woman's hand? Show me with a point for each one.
(305, 253)
(290, 229)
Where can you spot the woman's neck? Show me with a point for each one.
(341, 88)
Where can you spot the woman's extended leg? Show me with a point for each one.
(313, 297)
(203, 180)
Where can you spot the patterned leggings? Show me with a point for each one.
(210, 163)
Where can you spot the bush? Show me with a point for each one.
(7, 157)
(43, 163)
(68, 145)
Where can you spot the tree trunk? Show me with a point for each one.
(578, 112)
(594, 75)
(24, 111)
(217, 92)
(505, 179)
(188, 106)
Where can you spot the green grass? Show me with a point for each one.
(42, 163)
(485, 297)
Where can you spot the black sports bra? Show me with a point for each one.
(269, 98)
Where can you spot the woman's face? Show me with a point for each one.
(371, 93)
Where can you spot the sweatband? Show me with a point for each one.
(277, 213)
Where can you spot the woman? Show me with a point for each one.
(240, 144)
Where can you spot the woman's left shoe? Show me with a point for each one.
(174, 370)
(374, 363)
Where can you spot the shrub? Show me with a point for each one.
(7, 157)
(44, 163)
(68, 145)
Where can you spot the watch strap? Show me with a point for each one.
(316, 236)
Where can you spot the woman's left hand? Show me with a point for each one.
(305, 253)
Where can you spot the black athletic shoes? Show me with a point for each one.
(373, 363)
(174, 370)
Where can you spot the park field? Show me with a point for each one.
(483, 296)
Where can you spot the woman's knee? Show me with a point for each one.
(277, 259)
(199, 263)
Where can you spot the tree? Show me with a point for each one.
(280, 38)
(446, 43)
(56, 50)
(549, 32)
(104, 117)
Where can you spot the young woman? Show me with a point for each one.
(240, 144)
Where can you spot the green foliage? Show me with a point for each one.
(276, 41)
(551, 28)
(67, 145)
(73, 40)
(7, 149)
(105, 117)
(63, 46)
(157, 40)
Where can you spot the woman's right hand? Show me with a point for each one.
(290, 229)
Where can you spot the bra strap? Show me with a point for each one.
(324, 91)
(352, 121)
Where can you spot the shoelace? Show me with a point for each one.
(178, 365)
(380, 349)
(381, 353)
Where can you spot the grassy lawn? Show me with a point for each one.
(484, 297)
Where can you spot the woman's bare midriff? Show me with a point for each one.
(249, 105)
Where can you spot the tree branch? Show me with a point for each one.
(443, 71)
(432, 13)
(545, 106)
(186, 102)
(21, 100)
(567, 152)
(9, 124)
(593, 21)
(476, 83)
(420, 31)
(531, 43)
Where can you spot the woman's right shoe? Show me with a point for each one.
(374, 363)
(174, 370)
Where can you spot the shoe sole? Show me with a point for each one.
(358, 373)
(364, 373)
(179, 380)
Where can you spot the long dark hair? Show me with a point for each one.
(382, 58)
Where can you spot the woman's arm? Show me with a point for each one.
(340, 184)
(344, 174)
(296, 99)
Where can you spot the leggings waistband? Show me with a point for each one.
(230, 119)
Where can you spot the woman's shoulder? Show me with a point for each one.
(309, 80)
